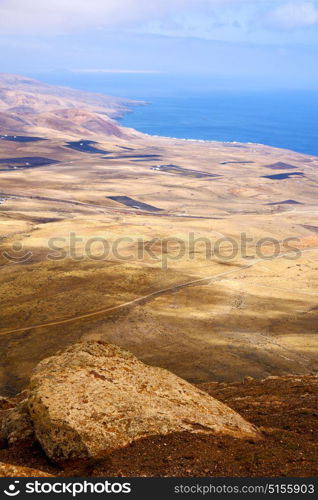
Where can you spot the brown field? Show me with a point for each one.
(205, 317)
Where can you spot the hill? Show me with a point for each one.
(35, 107)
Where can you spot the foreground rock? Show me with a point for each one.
(94, 398)
(9, 470)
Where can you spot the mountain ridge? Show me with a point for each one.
(27, 105)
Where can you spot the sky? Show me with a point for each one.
(259, 43)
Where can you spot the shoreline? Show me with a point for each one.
(216, 142)
(121, 119)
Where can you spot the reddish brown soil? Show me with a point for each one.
(286, 410)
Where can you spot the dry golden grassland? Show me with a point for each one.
(203, 317)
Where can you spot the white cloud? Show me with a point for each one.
(228, 20)
(67, 15)
(293, 15)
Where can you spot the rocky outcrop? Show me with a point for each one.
(17, 426)
(93, 398)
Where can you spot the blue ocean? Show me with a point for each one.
(285, 120)
(217, 110)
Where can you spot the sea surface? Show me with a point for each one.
(196, 108)
(284, 120)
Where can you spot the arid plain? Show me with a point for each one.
(199, 257)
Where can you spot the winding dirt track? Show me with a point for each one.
(148, 297)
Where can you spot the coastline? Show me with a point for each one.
(224, 143)
(171, 116)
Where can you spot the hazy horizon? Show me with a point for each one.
(270, 44)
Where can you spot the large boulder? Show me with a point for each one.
(93, 398)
